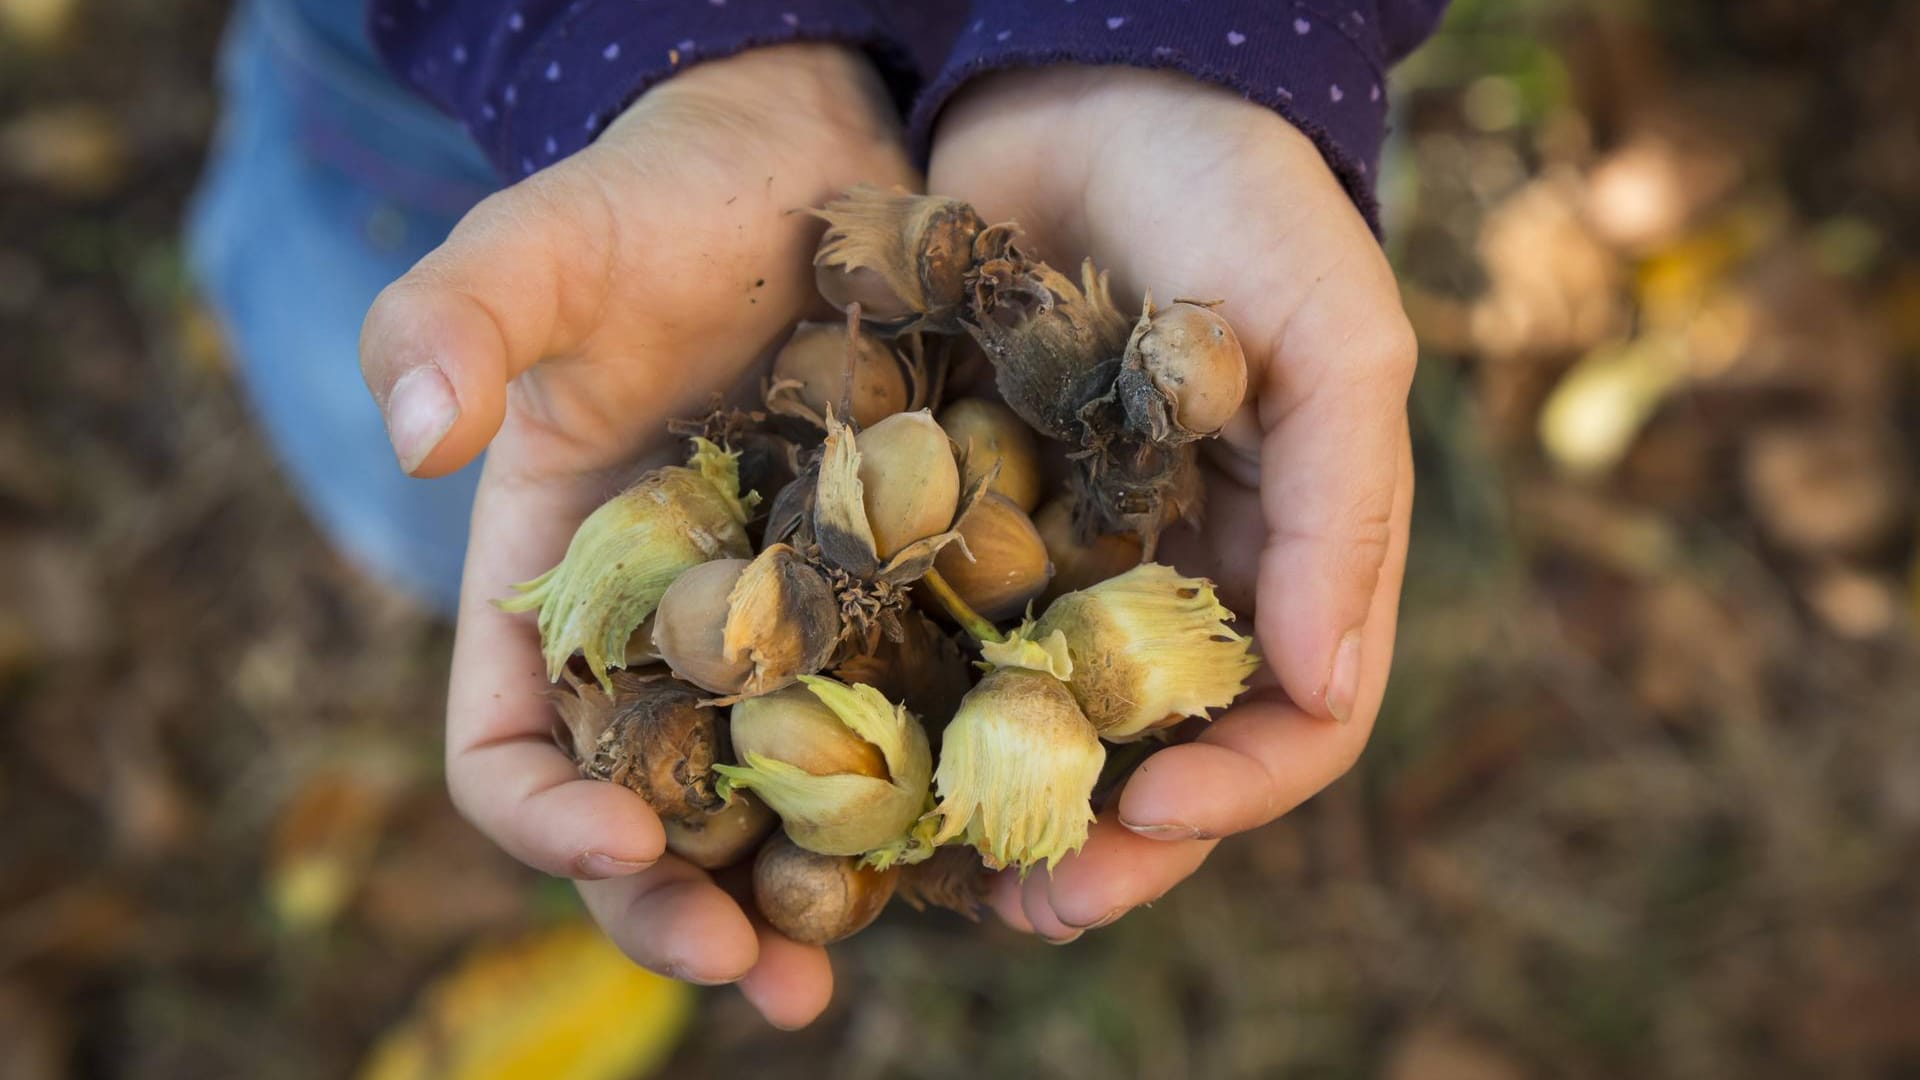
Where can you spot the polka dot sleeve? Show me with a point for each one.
(536, 80)
(1319, 63)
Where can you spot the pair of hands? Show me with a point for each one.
(570, 316)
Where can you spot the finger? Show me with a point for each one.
(1266, 755)
(1335, 422)
(1116, 872)
(1039, 913)
(1004, 897)
(674, 921)
(792, 983)
(529, 798)
(503, 769)
(520, 278)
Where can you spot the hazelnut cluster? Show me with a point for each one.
(880, 632)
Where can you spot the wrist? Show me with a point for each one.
(802, 87)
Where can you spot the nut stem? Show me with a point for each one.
(974, 623)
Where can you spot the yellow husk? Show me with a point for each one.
(1148, 648)
(626, 553)
(849, 814)
(1017, 769)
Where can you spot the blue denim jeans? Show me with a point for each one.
(327, 181)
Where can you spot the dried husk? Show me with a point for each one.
(924, 670)
(782, 621)
(1148, 648)
(902, 257)
(953, 879)
(845, 769)
(830, 366)
(1055, 347)
(991, 436)
(1184, 374)
(650, 734)
(626, 553)
(1001, 564)
(817, 899)
(1017, 768)
(1136, 487)
(724, 837)
(1077, 562)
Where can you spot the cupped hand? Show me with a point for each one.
(559, 328)
(1190, 192)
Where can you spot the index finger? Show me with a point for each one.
(505, 773)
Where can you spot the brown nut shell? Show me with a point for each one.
(910, 481)
(825, 369)
(989, 433)
(1078, 564)
(1184, 375)
(690, 626)
(1009, 567)
(817, 899)
(725, 836)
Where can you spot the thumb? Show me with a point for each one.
(516, 281)
(1335, 417)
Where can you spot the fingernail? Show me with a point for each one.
(1344, 685)
(1064, 940)
(420, 411)
(679, 973)
(1108, 919)
(593, 865)
(1168, 831)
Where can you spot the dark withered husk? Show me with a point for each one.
(953, 879)
(783, 620)
(903, 258)
(1048, 339)
(768, 459)
(1136, 487)
(651, 735)
(924, 668)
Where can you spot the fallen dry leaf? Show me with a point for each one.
(563, 1004)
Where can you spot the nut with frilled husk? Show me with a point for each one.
(1001, 563)
(845, 769)
(723, 837)
(818, 899)
(910, 483)
(742, 628)
(989, 434)
(1017, 767)
(649, 734)
(903, 258)
(829, 366)
(1148, 648)
(626, 553)
(1184, 374)
(1078, 563)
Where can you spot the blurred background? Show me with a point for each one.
(1645, 800)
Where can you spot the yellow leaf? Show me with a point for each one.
(561, 1004)
(1593, 415)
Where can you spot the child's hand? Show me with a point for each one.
(559, 328)
(1191, 192)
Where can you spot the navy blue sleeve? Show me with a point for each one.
(1319, 63)
(535, 80)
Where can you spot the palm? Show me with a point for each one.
(1183, 191)
(575, 314)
